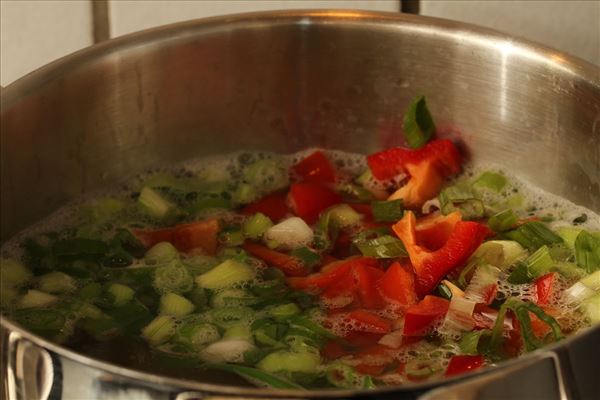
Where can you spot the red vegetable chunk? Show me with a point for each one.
(464, 363)
(398, 285)
(308, 200)
(196, 235)
(365, 321)
(315, 168)
(544, 286)
(421, 316)
(366, 279)
(329, 274)
(273, 206)
(290, 266)
(431, 266)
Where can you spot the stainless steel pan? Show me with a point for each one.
(281, 81)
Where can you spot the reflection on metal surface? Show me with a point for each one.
(281, 82)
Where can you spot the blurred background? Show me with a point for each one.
(35, 32)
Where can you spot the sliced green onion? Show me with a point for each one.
(537, 264)
(101, 210)
(420, 369)
(533, 235)
(238, 331)
(591, 308)
(344, 216)
(284, 311)
(173, 304)
(484, 277)
(159, 330)
(226, 274)
(120, 293)
(569, 235)
(569, 270)
(244, 194)
(444, 291)
(228, 316)
(521, 274)
(577, 293)
(356, 193)
(418, 123)
(587, 251)
(194, 333)
(500, 253)
(490, 180)
(592, 281)
(285, 361)
(173, 278)
(226, 350)
(267, 175)
(232, 297)
(13, 273)
(308, 257)
(257, 376)
(503, 220)
(387, 211)
(385, 246)
(154, 204)
(255, 226)
(161, 253)
(36, 299)
(305, 323)
(231, 237)
(56, 282)
(469, 343)
(461, 197)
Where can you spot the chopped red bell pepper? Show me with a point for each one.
(443, 153)
(340, 293)
(185, 237)
(329, 274)
(308, 200)
(315, 168)
(421, 316)
(366, 279)
(290, 266)
(364, 321)
(398, 285)
(362, 339)
(544, 286)
(273, 206)
(434, 230)
(374, 359)
(425, 182)
(333, 350)
(464, 363)
(431, 266)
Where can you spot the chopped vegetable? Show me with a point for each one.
(418, 123)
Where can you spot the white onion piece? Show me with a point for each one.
(577, 293)
(392, 339)
(431, 205)
(484, 277)
(226, 351)
(290, 233)
(460, 315)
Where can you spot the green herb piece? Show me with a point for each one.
(418, 123)
(444, 291)
(461, 197)
(387, 211)
(470, 342)
(385, 246)
(587, 251)
(533, 235)
(502, 221)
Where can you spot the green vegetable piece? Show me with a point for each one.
(36, 299)
(308, 257)
(121, 294)
(591, 308)
(244, 194)
(13, 274)
(285, 361)
(461, 197)
(502, 221)
(91, 291)
(444, 291)
(387, 211)
(159, 330)
(587, 251)
(533, 235)
(418, 123)
(256, 376)
(198, 297)
(569, 235)
(343, 216)
(420, 369)
(385, 246)
(493, 181)
(255, 226)
(56, 282)
(284, 311)
(231, 237)
(229, 316)
(173, 278)
(194, 333)
(470, 342)
(176, 305)
(592, 281)
(238, 331)
(154, 204)
(101, 210)
(161, 253)
(267, 175)
(568, 270)
(226, 274)
(534, 266)
(232, 297)
(520, 275)
(130, 317)
(355, 193)
(44, 322)
(307, 324)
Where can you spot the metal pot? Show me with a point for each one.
(281, 81)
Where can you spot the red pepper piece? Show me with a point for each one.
(341, 292)
(421, 316)
(273, 206)
(369, 369)
(329, 274)
(464, 363)
(425, 183)
(544, 286)
(308, 200)
(290, 266)
(431, 266)
(333, 350)
(185, 237)
(315, 168)
(434, 230)
(364, 321)
(389, 163)
(366, 278)
(398, 285)
(362, 339)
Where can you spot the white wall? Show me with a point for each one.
(571, 26)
